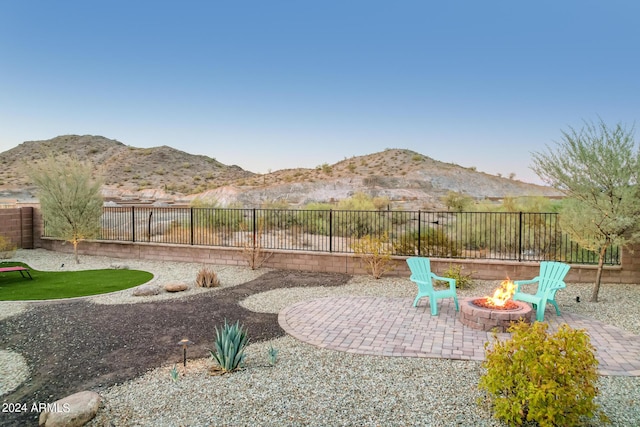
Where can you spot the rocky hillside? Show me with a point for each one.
(407, 178)
(158, 172)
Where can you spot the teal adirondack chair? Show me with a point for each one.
(422, 276)
(550, 280)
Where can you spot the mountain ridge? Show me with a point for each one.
(165, 173)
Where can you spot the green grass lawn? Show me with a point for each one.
(66, 284)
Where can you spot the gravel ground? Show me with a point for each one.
(317, 387)
(14, 370)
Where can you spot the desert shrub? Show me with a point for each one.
(278, 216)
(355, 223)
(549, 379)
(208, 213)
(229, 346)
(375, 252)
(381, 202)
(253, 248)
(358, 202)
(458, 202)
(463, 281)
(327, 169)
(7, 248)
(315, 218)
(275, 204)
(430, 242)
(207, 278)
(357, 217)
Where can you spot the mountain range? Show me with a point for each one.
(166, 175)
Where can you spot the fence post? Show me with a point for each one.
(191, 225)
(149, 227)
(254, 227)
(133, 223)
(330, 230)
(419, 232)
(520, 236)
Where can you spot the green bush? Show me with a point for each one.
(230, 344)
(315, 218)
(463, 281)
(278, 218)
(358, 202)
(432, 242)
(209, 215)
(457, 202)
(375, 253)
(546, 378)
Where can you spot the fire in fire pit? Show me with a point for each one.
(501, 299)
(496, 312)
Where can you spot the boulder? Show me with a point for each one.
(146, 291)
(72, 411)
(119, 266)
(176, 287)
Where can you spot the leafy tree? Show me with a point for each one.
(597, 168)
(70, 199)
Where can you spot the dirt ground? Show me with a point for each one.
(72, 346)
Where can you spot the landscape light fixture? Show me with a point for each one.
(184, 343)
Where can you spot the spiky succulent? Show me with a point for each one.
(273, 356)
(230, 343)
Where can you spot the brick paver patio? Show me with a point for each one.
(392, 327)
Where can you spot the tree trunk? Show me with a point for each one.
(596, 287)
(75, 251)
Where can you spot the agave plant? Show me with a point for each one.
(230, 343)
(273, 355)
(174, 373)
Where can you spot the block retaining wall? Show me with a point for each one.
(325, 262)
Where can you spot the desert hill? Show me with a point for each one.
(407, 178)
(150, 172)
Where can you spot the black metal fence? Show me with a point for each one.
(491, 235)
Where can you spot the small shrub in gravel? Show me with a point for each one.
(375, 253)
(207, 278)
(463, 281)
(549, 379)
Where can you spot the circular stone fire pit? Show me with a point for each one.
(488, 319)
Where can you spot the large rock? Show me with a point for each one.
(176, 287)
(116, 266)
(146, 291)
(72, 411)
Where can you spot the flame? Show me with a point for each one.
(502, 294)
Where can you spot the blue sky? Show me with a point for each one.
(269, 85)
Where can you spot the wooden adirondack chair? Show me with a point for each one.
(422, 276)
(550, 280)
